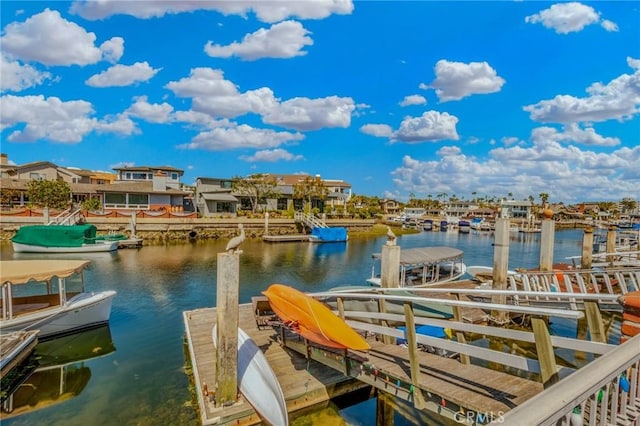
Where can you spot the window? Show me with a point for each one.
(36, 176)
(174, 176)
(138, 199)
(115, 198)
(127, 176)
(282, 204)
(226, 184)
(139, 176)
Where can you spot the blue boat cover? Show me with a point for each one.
(427, 330)
(328, 235)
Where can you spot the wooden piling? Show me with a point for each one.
(389, 276)
(611, 243)
(500, 266)
(266, 223)
(587, 249)
(227, 300)
(546, 245)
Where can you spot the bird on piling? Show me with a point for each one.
(235, 242)
(391, 237)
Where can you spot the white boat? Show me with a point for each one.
(15, 346)
(61, 239)
(484, 273)
(424, 266)
(50, 295)
(257, 381)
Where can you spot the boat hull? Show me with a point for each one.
(312, 319)
(85, 248)
(257, 381)
(83, 311)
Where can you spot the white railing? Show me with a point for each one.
(67, 218)
(608, 281)
(309, 220)
(604, 392)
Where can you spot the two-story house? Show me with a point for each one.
(518, 209)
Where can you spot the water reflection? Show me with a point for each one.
(61, 373)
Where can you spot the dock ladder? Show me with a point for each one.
(309, 220)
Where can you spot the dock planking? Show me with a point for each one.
(285, 238)
(304, 384)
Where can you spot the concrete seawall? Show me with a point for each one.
(156, 229)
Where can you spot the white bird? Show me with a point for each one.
(235, 242)
(391, 237)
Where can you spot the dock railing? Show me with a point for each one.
(309, 220)
(604, 392)
(611, 281)
(67, 217)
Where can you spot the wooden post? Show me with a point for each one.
(412, 343)
(340, 302)
(389, 278)
(45, 215)
(384, 411)
(464, 358)
(544, 348)
(594, 321)
(587, 249)
(266, 223)
(546, 245)
(611, 243)
(500, 266)
(227, 321)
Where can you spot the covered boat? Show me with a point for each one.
(60, 239)
(50, 295)
(334, 234)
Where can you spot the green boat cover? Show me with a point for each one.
(56, 235)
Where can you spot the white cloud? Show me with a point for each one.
(17, 77)
(413, 100)
(431, 126)
(52, 119)
(568, 173)
(379, 130)
(52, 40)
(306, 114)
(242, 136)
(573, 133)
(123, 75)
(153, 113)
(113, 49)
(271, 156)
(265, 11)
(619, 99)
(569, 17)
(456, 80)
(283, 40)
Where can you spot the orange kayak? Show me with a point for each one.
(312, 319)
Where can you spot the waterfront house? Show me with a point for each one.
(517, 209)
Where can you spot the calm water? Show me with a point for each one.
(140, 379)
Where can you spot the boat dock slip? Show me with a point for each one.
(285, 238)
(304, 384)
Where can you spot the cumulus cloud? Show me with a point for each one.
(379, 130)
(457, 80)
(52, 40)
(306, 114)
(153, 113)
(573, 133)
(567, 172)
(271, 156)
(242, 136)
(431, 126)
(619, 99)
(123, 75)
(283, 40)
(570, 17)
(17, 77)
(413, 100)
(53, 119)
(265, 11)
(113, 49)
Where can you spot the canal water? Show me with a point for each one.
(133, 372)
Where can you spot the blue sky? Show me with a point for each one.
(396, 98)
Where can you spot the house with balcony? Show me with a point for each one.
(518, 209)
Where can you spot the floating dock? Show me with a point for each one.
(304, 384)
(285, 238)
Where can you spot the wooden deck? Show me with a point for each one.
(445, 382)
(285, 238)
(23, 341)
(303, 384)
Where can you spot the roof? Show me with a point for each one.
(426, 255)
(149, 169)
(23, 271)
(219, 196)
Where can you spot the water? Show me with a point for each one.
(141, 379)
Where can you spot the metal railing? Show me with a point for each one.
(309, 220)
(604, 392)
(67, 218)
(608, 281)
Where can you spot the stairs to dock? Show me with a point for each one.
(68, 217)
(309, 220)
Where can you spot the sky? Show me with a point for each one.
(399, 99)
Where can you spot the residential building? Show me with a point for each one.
(518, 209)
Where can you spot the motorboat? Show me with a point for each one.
(61, 239)
(50, 295)
(424, 266)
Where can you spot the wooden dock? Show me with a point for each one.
(285, 238)
(15, 347)
(304, 384)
